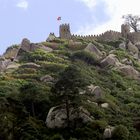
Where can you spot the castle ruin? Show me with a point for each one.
(65, 33)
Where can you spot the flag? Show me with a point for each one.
(58, 18)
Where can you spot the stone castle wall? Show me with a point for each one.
(134, 37)
(87, 38)
(107, 36)
(110, 36)
(64, 31)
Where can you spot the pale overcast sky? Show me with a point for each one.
(35, 19)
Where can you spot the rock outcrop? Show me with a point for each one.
(110, 60)
(133, 50)
(127, 61)
(35, 46)
(95, 91)
(93, 49)
(129, 71)
(4, 64)
(25, 45)
(13, 65)
(56, 117)
(108, 132)
(138, 45)
(11, 53)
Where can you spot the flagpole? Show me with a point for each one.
(59, 23)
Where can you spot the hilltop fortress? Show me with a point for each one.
(134, 37)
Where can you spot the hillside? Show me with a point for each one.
(70, 89)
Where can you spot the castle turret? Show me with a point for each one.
(64, 31)
(125, 30)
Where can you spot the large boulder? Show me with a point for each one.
(122, 46)
(129, 71)
(127, 61)
(108, 132)
(4, 64)
(93, 49)
(35, 46)
(110, 60)
(95, 91)
(11, 52)
(138, 45)
(105, 105)
(25, 45)
(133, 49)
(76, 45)
(13, 65)
(47, 49)
(57, 118)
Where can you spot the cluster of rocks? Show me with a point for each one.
(11, 52)
(125, 67)
(26, 45)
(110, 60)
(57, 117)
(133, 50)
(4, 64)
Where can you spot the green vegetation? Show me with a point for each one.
(85, 56)
(25, 99)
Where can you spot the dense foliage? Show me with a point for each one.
(25, 99)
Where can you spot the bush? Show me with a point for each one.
(40, 55)
(56, 137)
(49, 68)
(120, 133)
(87, 57)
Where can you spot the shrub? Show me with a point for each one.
(48, 68)
(56, 137)
(87, 57)
(120, 133)
(40, 55)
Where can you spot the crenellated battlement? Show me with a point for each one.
(64, 31)
(107, 36)
(87, 37)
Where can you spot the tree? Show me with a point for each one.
(32, 94)
(67, 88)
(132, 21)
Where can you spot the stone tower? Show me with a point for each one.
(64, 31)
(125, 30)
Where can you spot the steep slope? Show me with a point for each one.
(99, 79)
